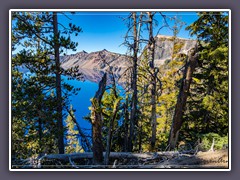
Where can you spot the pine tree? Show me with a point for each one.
(72, 135)
(208, 107)
(34, 94)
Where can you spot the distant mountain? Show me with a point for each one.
(103, 60)
(99, 61)
(96, 76)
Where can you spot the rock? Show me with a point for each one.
(105, 60)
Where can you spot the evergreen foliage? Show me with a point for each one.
(34, 113)
(72, 135)
(208, 103)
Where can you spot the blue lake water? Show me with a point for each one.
(81, 101)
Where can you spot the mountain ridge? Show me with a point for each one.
(105, 60)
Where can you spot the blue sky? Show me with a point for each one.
(106, 30)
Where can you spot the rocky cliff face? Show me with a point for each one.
(103, 60)
(164, 48)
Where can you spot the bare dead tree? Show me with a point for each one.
(190, 66)
(155, 84)
(96, 119)
(134, 103)
(151, 52)
(126, 125)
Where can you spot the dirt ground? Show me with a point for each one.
(211, 159)
(217, 158)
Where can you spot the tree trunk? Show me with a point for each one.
(140, 138)
(133, 117)
(40, 131)
(58, 86)
(40, 134)
(96, 118)
(153, 115)
(151, 51)
(126, 125)
(182, 98)
(109, 138)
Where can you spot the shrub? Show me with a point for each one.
(219, 142)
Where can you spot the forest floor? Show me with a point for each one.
(124, 160)
(211, 159)
(202, 160)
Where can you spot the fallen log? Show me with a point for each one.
(126, 160)
(113, 155)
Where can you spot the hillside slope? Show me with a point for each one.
(103, 60)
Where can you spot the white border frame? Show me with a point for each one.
(118, 10)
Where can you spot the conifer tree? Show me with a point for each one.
(208, 106)
(34, 32)
(72, 135)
